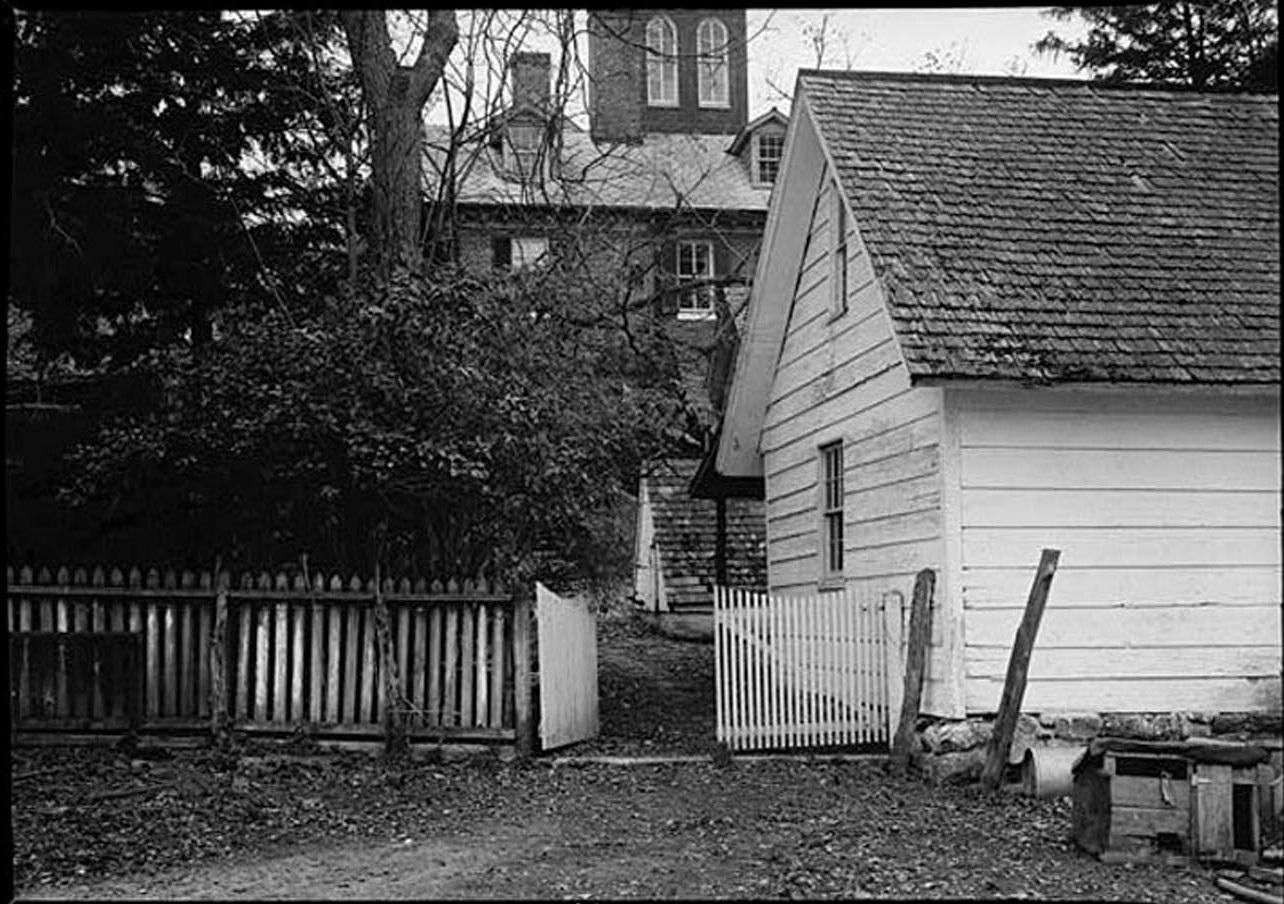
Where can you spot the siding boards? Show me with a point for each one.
(1166, 509)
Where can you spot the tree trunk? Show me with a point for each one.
(394, 98)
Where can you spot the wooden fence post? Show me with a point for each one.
(394, 723)
(522, 672)
(920, 632)
(218, 659)
(1018, 667)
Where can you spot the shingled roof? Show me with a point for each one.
(1064, 231)
(686, 535)
(662, 172)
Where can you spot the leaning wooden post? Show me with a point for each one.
(1018, 666)
(522, 672)
(218, 659)
(920, 632)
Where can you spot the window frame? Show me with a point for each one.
(839, 230)
(757, 156)
(518, 260)
(661, 60)
(695, 304)
(712, 61)
(831, 510)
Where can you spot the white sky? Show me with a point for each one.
(985, 41)
(988, 41)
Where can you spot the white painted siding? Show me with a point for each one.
(844, 378)
(1166, 509)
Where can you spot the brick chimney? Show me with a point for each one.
(615, 75)
(531, 79)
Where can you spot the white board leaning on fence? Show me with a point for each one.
(568, 710)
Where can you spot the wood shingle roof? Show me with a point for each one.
(1053, 231)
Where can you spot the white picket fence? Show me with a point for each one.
(816, 671)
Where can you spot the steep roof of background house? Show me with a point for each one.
(686, 534)
(664, 172)
(1064, 231)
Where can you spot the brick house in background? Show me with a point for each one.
(665, 194)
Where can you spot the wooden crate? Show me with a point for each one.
(1140, 805)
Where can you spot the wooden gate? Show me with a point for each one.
(567, 631)
(806, 671)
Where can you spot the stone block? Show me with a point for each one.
(1144, 726)
(959, 768)
(1077, 726)
(953, 737)
(1247, 723)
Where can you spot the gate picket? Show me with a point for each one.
(800, 671)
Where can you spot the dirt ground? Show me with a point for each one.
(96, 825)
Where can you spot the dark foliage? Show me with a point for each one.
(1223, 44)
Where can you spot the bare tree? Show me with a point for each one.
(395, 95)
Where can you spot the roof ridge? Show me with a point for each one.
(1023, 81)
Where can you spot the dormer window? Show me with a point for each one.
(661, 63)
(711, 47)
(524, 141)
(768, 148)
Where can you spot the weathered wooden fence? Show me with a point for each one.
(817, 671)
(295, 654)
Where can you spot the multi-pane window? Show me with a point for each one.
(695, 262)
(769, 147)
(518, 252)
(711, 47)
(838, 222)
(525, 141)
(661, 63)
(831, 479)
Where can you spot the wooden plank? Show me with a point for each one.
(1122, 660)
(297, 704)
(1148, 792)
(522, 675)
(184, 665)
(450, 704)
(1176, 547)
(1151, 627)
(316, 662)
(1137, 586)
(719, 660)
(1012, 507)
(204, 639)
(24, 683)
(262, 663)
(171, 650)
(348, 708)
(915, 661)
(368, 711)
(1213, 826)
(436, 646)
(1146, 822)
(1122, 469)
(241, 706)
(280, 655)
(1014, 687)
(404, 659)
(481, 707)
(467, 643)
(333, 682)
(154, 675)
(417, 679)
(496, 719)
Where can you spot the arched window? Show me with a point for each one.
(661, 63)
(711, 45)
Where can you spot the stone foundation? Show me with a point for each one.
(952, 751)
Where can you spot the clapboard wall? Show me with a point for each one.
(843, 377)
(1166, 508)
